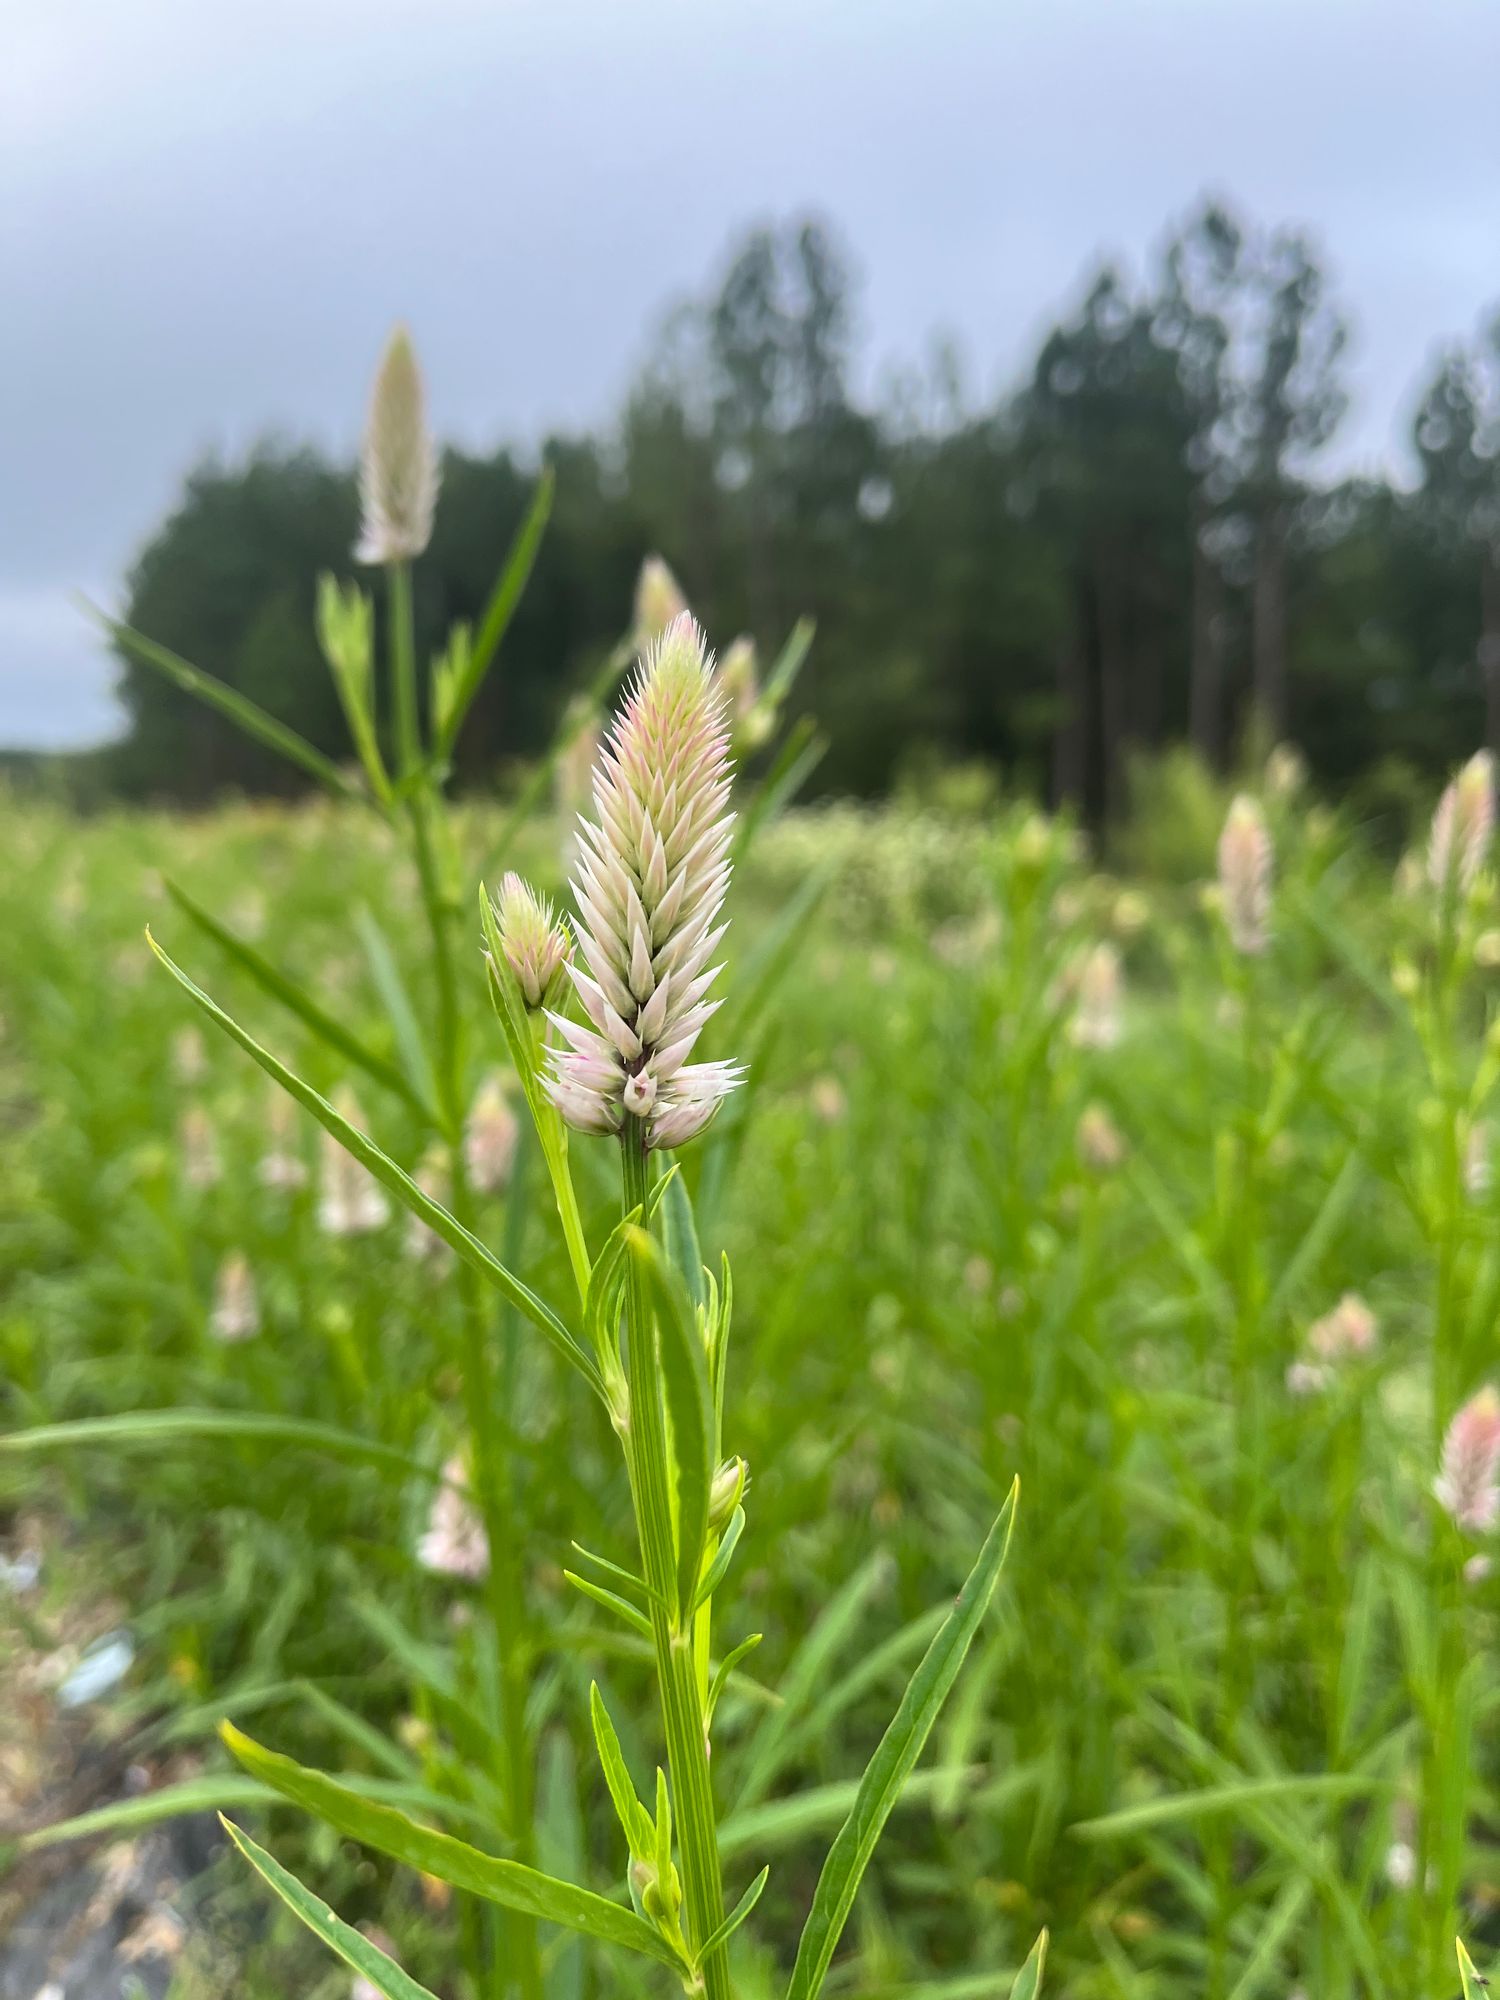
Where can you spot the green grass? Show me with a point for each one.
(1231, 1659)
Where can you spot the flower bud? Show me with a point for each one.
(659, 603)
(1101, 1144)
(490, 1142)
(1468, 1485)
(1098, 1021)
(751, 719)
(534, 943)
(726, 1493)
(1463, 825)
(1245, 877)
(398, 469)
(236, 1312)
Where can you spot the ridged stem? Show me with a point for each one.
(676, 1669)
(504, 1584)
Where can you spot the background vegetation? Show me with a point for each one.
(1124, 551)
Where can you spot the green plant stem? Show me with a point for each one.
(494, 1494)
(1433, 1894)
(404, 668)
(676, 1669)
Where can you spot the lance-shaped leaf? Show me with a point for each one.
(1472, 1981)
(157, 1427)
(889, 1768)
(473, 662)
(1029, 1978)
(356, 1951)
(324, 1025)
(400, 1184)
(509, 1883)
(241, 711)
(719, 1938)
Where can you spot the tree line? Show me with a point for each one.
(1132, 548)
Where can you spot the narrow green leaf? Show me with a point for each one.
(1320, 1234)
(635, 1821)
(390, 1176)
(892, 1763)
(366, 1959)
(684, 1368)
(1472, 1980)
(804, 1677)
(498, 613)
(783, 1822)
(1216, 1799)
(193, 1795)
(380, 1750)
(297, 1002)
(399, 1011)
(620, 1606)
(509, 1883)
(1029, 1978)
(718, 1569)
(725, 1668)
(241, 711)
(790, 660)
(154, 1427)
(795, 762)
(719, 1938)
(663, 1855)
(680, 1235)
(636, 1587)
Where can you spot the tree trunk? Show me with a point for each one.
(1206, 662)
(1268, 621)
(1070, 738)
(1489, 645)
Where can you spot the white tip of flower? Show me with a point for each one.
(490, 1141)
(236, 1310)
(1101, 1144)
(1348, 1330)
(1286, 771)
(1245, 876)
(350, 1203)
(398, 468)
(535, 945)
(659, 603)
(751, 719)
(455, 1543)
(653, 868)
(1479, 1166)
(201, 1164)
(189, 1057)
(1307, 1378)
(1098, 1020)
(1463, 825)
(1468, 1485)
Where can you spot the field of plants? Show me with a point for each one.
(1039, 1418)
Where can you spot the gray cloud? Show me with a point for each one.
(209, 216)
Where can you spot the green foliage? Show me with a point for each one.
(1130, 548)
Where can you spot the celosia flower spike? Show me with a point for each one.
(659, 603)
(1468, 1485)
(1463, 824)
(398, 467)
(1245, 877)
(650, 884)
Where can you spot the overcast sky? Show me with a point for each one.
(210, 213)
